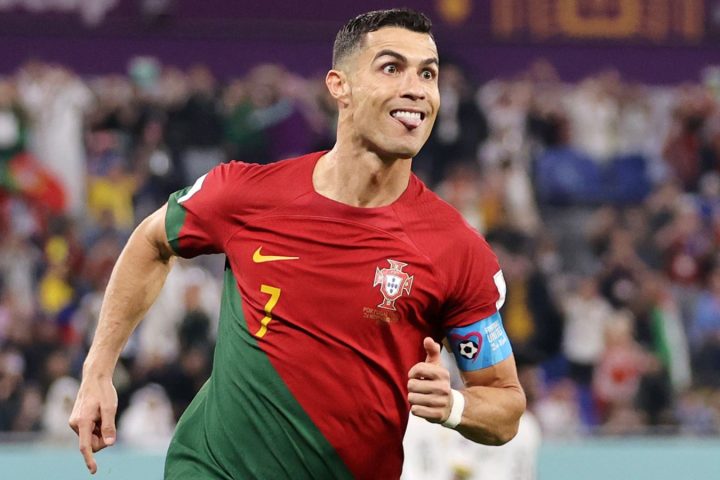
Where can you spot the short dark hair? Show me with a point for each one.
(353, 32)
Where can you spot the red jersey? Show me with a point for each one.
(324, 312)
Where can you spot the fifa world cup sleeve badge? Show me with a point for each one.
(393, 283)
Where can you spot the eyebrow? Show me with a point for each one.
(402, 58)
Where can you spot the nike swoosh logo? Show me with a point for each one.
(260, 258)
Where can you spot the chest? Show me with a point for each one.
(332, 277)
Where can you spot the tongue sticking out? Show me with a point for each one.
(409, 119)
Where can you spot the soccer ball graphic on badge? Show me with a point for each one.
(468, 349)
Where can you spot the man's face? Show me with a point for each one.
(394, 95)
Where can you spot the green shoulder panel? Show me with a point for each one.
(174, 219)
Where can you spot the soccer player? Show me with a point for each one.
(343, 273)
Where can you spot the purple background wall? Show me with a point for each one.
(232, 36)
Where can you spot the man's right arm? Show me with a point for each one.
(135, 283)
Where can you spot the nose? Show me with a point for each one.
(412, 87)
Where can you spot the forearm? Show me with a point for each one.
(135, 283)
(492, 414)
(493, 398)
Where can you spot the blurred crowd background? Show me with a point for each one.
(600, 197)
(598, 190)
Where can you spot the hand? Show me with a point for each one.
(93, 417)
(429, 391)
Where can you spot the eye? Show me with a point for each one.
(428, 74)
(390, 68)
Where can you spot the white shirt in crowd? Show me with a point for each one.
(433, 452)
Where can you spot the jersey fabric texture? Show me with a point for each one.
(324, 311)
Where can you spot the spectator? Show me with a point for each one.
(57, 409)
(159, 337)
(57, 100)
(705, 332)
(558, 411)
(616, 378)
(111, 185)
(201, 120)
(460, 128)
(587, 316)
(13, 122)
(531, 316)
(148, 422)
(12, 369)
(683, 146)
(594, 113)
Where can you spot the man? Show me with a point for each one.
(342, 272)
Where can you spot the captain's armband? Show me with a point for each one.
(481, 344)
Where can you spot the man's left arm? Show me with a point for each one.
(486, 411)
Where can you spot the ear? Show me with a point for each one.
(337, 83)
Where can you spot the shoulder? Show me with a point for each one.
(437, 227)
(237, 189)
(240, 181)
(461, 257)
(277, 171)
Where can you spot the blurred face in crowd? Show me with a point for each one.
(201, 80)
(7, 94)
(387, 92)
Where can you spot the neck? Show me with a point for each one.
(360, 178)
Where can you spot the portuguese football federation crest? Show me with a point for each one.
(393, 283)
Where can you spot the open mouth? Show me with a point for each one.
(410, 119)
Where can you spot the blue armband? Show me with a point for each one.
(481, 344)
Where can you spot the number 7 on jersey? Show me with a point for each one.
(274, 293)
